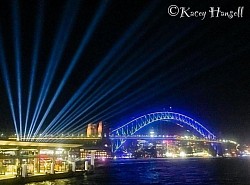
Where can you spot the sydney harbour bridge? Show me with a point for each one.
(124, 132)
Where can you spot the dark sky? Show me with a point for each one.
(136, 59)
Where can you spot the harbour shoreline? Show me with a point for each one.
(40, 178)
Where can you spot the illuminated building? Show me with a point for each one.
(89, 130)
(99, 154)
(95, 130)
(36, 157)
(99, 129)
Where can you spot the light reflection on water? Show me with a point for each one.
(211, 171)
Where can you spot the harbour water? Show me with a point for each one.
(191, 171)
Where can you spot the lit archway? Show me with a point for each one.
(135, 125)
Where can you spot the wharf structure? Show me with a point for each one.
(51, 154)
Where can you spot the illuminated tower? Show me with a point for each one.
(94, 130)
(99, 129)
(89, 130)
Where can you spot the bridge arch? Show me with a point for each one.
(135, 125)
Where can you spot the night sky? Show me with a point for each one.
(131, 58)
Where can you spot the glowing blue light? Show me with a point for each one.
(7, 84)
(87, 105)
(37, 38)
(139, 21)
(133, 126)
(16, 36)
(83, 44)
(59, 46)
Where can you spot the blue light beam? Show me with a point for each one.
(59, 46)
(132, 29)
(146, 60)
(81, 48)
(7, 84)
(16, 36)
(98, 90)
(37, 39)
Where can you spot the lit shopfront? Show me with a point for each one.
(35, 157)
